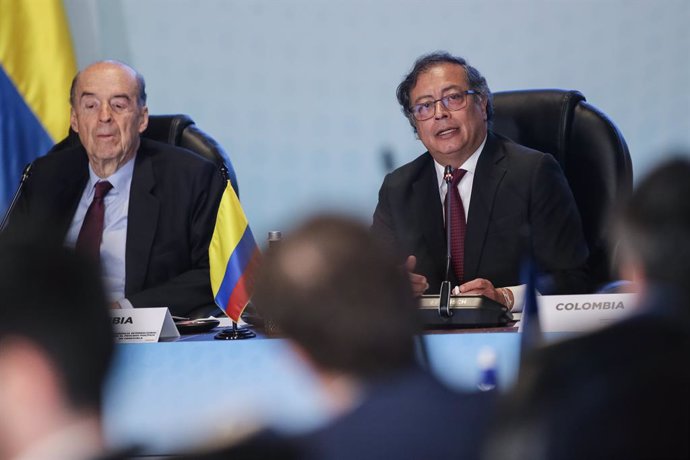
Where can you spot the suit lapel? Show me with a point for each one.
(142, 222)
(489, 174)
(68, 199)
(426, 204)
(68, 191)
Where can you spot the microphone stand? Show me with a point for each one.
(25, 175)
(444, 297)
(467, 310)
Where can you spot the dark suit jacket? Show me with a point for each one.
(408, 416)
(411, 416)
(622, 392)
(173, 202)
(520, 201)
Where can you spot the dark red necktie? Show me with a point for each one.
(458, 226)
(91, 233)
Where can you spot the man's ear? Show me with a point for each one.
(144, 119)
(73, 120)
(483, 102)
(630, 269)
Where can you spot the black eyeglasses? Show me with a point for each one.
(452, 102)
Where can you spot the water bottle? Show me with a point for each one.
(273, 241)
(486, 359)
(274, 238)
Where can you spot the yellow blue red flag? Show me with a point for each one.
(233, 256)
(36, 68)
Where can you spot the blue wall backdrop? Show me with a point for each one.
(301, 93)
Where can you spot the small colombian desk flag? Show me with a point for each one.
(233, 256)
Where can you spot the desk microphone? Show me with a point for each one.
(445, 310)
(444, 297)
(25, 175)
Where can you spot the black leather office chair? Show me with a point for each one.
(179, 130)
(589, 147)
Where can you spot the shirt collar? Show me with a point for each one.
(470, 165)
(119, 179)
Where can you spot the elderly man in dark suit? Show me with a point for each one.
(145, 209)
(515, 201)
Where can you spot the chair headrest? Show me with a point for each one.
(167, 128)
(540, 119)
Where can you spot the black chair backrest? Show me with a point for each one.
(589, 147)
(179, 130)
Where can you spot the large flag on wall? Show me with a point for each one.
(36, 68)
(233, 256)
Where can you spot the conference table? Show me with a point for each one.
(169, 396)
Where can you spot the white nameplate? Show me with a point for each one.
(143, 325)
(581, 313)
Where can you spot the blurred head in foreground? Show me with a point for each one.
(620, 391)
(341, 299)
(55, 349)
(654, 229)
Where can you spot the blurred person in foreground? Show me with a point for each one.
(623, 391)
(347, 310)
(503, 188)
(56, 347)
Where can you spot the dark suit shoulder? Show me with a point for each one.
(57, 162)
(175, 166)
(642, 334)
(409, 172)
(624, 386)
(499, 146)
(411, 415)
(264, 445)
(172, 156)
(524, 165)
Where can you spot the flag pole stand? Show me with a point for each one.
(235, 333)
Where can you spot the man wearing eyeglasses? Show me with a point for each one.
(516, 202)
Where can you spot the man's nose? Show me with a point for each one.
(105, 113)
(440, 110)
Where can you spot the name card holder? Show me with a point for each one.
(143, 325)
(582, 313)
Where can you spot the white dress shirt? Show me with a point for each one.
(465, 184)
(114, 240)
(465, 190)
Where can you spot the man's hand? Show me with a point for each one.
(481, 286)
(419, 283)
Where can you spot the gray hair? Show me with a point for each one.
(141, 84)
(475, 81)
